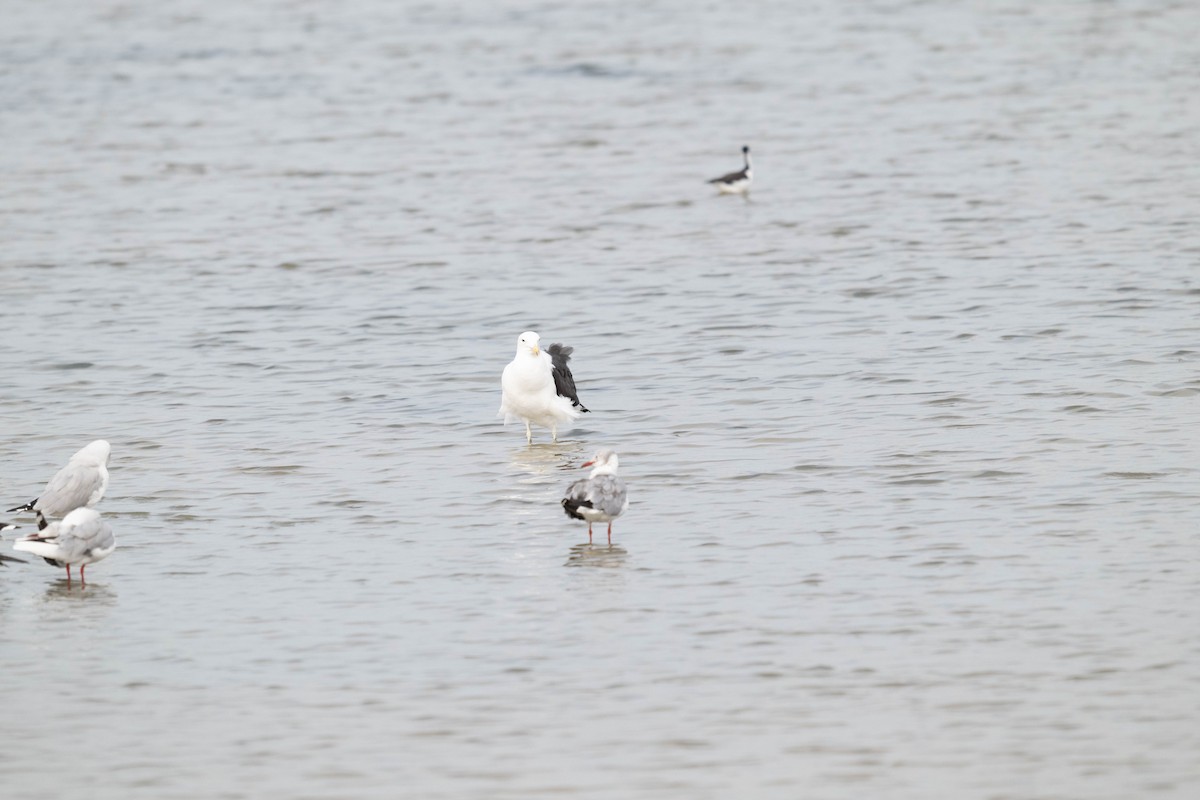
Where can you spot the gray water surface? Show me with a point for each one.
(911, 435)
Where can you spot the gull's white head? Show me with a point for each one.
(529, 341)
(603, 462)
(95, 453)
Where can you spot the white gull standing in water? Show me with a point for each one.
(600, 497)
(81, 537)
(538, 387)
(736, 182)
(80, 483)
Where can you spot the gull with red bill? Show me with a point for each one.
(600, 497)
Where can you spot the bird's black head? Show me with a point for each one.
(745, 148)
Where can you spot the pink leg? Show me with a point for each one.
(609, 537)
(82, 567)
(589, 533)
(68, 573)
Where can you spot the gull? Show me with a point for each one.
(80, 483)
(8, 526)
(736, 182)
(81, 537)
(600, 497)
(537, 386)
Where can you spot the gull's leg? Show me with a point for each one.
(68, 573)
(528, 433)
(589, 533)
(610, 534)
(82, 581)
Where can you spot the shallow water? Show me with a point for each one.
(910, 435)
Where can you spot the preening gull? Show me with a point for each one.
(538, 387)
(600, 497)
(81, 537)
(8, 526)
(736, 182)
(80, 483)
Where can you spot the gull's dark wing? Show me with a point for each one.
(564, 381)
(732, 177)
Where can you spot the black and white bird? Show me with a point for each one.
(600, 497)
(736, 182)
(537, 387)
(80, 537)
(81, 483)
(8, 526)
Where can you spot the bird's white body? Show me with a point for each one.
(597, 515)
(528, 390)
(739, 186)
(80, 538)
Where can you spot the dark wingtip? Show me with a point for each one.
(27, 507)
(4, 558)
(571, 506)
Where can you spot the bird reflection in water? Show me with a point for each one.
(64, 590)
(541, 460)
(608, 556)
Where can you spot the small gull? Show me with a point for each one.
(8, 526)
(538, 387)
(600, 497)
(736, 182)
(80, 483)
(81, 537)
